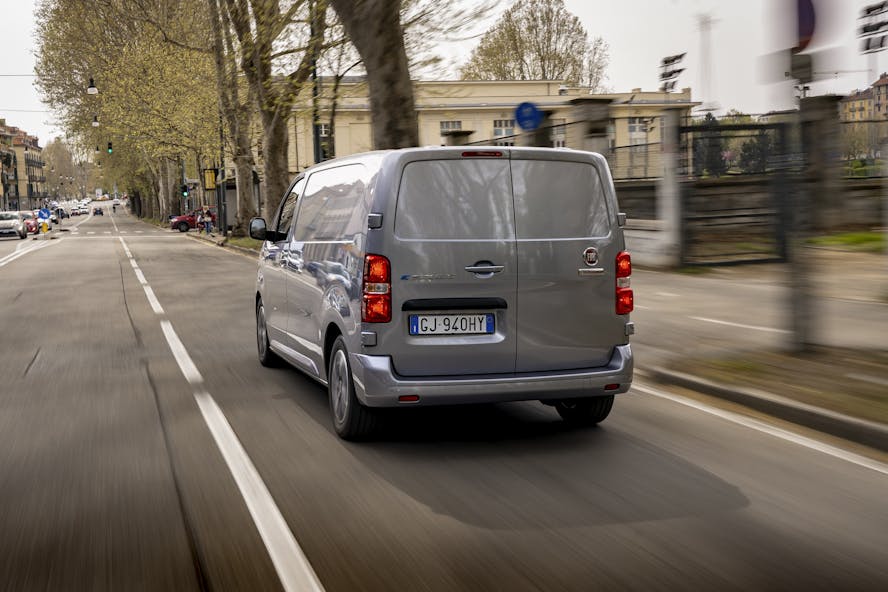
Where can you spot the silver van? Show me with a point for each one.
(430, 276)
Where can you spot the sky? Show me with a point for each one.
(640, 33)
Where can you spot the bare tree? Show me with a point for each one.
(539, 40)
(374, 27)
(237, 112)
(261, 26)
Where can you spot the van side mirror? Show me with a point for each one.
(258, 230)
(621, 219)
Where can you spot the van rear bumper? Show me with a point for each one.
(377, 385)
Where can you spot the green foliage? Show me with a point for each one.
(709, 149)
(755, 152)
(869, 242)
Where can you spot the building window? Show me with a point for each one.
(638, 130)
(324, 130)
(559, 133)
(503, 128)
(449, 126)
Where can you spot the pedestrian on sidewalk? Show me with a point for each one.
(207, 220)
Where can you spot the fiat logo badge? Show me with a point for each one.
(590, 256)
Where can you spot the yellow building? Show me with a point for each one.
(8, 168)
(31, 177)
(483, 112)
(858, 106)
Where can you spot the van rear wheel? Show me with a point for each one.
(351, 420)
(585, 412)
(267, 358)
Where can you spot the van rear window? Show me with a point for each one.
(455, 199)
(555, 199)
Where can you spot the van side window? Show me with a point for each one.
(288, 207)
(330, 208)
(559, 199)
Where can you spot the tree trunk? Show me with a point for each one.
(275, 144)
(374, 27)
(246, 204)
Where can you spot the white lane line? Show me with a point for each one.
(291, 564)
(740, 325)
(186, 365)
(152, 300)
(666, 294)
(765, 428)
(91, 232)
(125, 248)
(640, 307)
(19, 254)
(140, 276)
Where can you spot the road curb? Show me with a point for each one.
(868, 433)
(223, 242)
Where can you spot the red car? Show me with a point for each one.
(185, 222)
(30, 222)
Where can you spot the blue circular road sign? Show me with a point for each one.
(528, 116)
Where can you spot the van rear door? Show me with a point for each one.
(567, 242)
(453, 267)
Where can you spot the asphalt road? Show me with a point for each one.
(116, 475)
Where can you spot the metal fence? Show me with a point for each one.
(861, 146)
(712, 150)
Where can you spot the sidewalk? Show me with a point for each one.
(837, 390)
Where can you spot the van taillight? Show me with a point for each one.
(377, 303)
(625, 298)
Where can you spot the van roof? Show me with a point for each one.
(452, 151)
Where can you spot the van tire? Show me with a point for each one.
(585, 412)
(267, 358)
(351, 419)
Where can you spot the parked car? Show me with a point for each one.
(11, 224)
(481, 275)
(185, 222)
(30, 222)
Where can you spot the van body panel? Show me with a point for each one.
(451, 214)
(326, 257)
(566, 317)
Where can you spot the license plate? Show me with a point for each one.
(452, 324)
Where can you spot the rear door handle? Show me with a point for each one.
(485, 268)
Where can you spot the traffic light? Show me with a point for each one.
(184, 190)
(110, 150)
